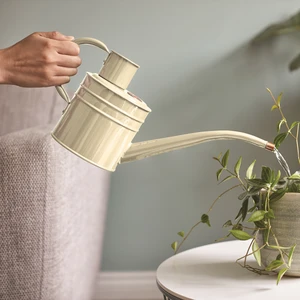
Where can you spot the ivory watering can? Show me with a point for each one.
(102, 118)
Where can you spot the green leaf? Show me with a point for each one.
(270, 214)
(294, 124)
(295, 63)
(225, 159)
(174, 246)
(280, 274)
(266, 234)
(238, 166)
(279, 99)
(291, 255)
(257, 216)
(288, 25)
(266, 174)
(294, 188)
(277, 195)
(242, 195)
(227, 178)
(279, 124)
(227, 224)
(250, 170)
(256, 252)
(274, 107)
(254, 191)
(218, 157)
(240, 235)
(239, 213)
(276, 178)
(181, 233)
(260, 224)
(219, 172)
(205, 219)
(279, 139)
(275, 264)
(278, 247)
(256, 198)
(253, 208)
(296, 175)
(256, 182)
(245, 208)
(238, 227)
(272, 176)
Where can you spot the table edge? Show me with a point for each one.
(168, 293)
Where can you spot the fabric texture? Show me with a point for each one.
(52, 209)
(25, 107)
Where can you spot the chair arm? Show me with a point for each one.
(52, 216)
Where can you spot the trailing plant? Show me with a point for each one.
(256, 194)
(290, 25)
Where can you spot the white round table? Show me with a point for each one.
(210, 272)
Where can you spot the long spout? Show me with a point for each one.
(146, 149)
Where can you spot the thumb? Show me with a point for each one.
(55, 35)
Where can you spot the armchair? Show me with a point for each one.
(52, 204)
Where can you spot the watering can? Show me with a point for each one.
(103, 117)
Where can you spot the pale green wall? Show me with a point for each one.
(197, 73)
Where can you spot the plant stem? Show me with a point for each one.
(247, 253)
(280, 251)
(283, 117)
(237, 177)
(267, 203)
(297, 143)
(249, 228)
(228, 190)
(223, 238)
(287, 126)
(252, 269)
(190, 231)
(211, 207)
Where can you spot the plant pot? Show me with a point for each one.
(286, 227)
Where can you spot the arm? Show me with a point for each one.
(2, 75)
(39, 60)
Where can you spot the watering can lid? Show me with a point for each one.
(122, 93)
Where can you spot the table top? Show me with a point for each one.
(211, 272)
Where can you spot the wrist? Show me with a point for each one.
(3, 70)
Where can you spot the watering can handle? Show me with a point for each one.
(80, 41)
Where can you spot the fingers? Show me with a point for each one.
(62, 76)
(55, 35)
(62, 71)
(54, 81)
(60, 43)
(66, 48)
(68, 61)
(59, 80)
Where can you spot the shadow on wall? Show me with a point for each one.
(229, 94)
(235, 82)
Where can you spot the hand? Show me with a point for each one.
(42, 59)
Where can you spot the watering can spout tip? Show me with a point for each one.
(270, 146)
